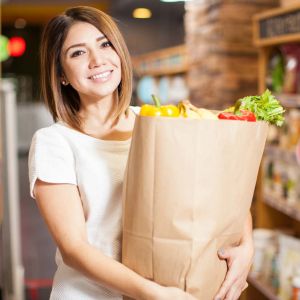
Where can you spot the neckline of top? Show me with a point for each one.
(91, 138)
(95, 140)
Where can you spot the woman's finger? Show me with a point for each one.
(236, 290)
(223, 290)
(226, 253)
(245, 286)
(232, 292)
(236, 295)
(226, 285)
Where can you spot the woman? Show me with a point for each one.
(77, 165)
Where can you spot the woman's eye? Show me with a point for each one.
(77, 53)
(106, 44)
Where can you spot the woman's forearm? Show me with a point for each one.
(247, 233)
(110, 273)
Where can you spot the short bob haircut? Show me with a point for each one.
(63, 101)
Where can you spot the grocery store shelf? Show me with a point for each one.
(266, 290)
(289, 100)
(288, 155)
(281, 205)
(168, 61)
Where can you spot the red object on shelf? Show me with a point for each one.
(33, 285)
(16, 46)
(291, 53)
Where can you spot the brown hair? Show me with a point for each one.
(63, 101)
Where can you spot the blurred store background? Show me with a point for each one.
(210, 51)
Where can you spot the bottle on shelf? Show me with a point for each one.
(296, 284)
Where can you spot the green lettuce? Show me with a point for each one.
(265, 107)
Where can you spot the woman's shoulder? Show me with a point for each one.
(51, 130)
(49, 135)
(49, 142)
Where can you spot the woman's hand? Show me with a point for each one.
(239, 260)
(167, 293)
(154, 291)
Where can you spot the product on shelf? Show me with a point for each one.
(297, 152)
(178, 88)
(275, 72)
(145, 88)
(164, 89)
(281, 170)
(276, 33)
(294, 127)
(289, 262)
(170, 89)
(288, 136)
(282, 176)
(265, 249)
(167, 69)
(277, 261)
(296, 284)
(291, 54)
(283, 69)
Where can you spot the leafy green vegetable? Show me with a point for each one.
(265, 107)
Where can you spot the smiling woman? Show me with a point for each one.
(77, 165)
(90, 64)
(60, 35)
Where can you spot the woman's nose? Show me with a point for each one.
(96, 60)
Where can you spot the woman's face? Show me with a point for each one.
(89, 62)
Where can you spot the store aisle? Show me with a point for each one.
(37, 246)
(38, 249)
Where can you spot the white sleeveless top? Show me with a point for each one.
(59, 154)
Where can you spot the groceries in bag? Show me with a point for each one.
(250, 108)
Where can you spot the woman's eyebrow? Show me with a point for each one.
(83, 44)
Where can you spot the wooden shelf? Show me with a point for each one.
(270, 29)
(266, 290)
(163, 71)
(277, 26)
(168, 61)
(286, 155)
(282, 206)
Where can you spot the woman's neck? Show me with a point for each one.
(96, 120)
(97, 114)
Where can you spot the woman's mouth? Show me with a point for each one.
(101, 77)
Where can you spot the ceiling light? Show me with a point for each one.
(20, 23)
(142, 13)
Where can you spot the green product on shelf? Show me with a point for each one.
(277, 73)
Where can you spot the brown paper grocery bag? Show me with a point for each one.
(187, 192)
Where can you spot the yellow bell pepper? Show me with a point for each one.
(159, 110)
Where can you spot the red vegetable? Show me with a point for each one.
(244, 115)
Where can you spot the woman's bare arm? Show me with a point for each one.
(61, 207)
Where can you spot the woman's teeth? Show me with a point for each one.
(102, 75)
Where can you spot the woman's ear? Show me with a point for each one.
(64, 81)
